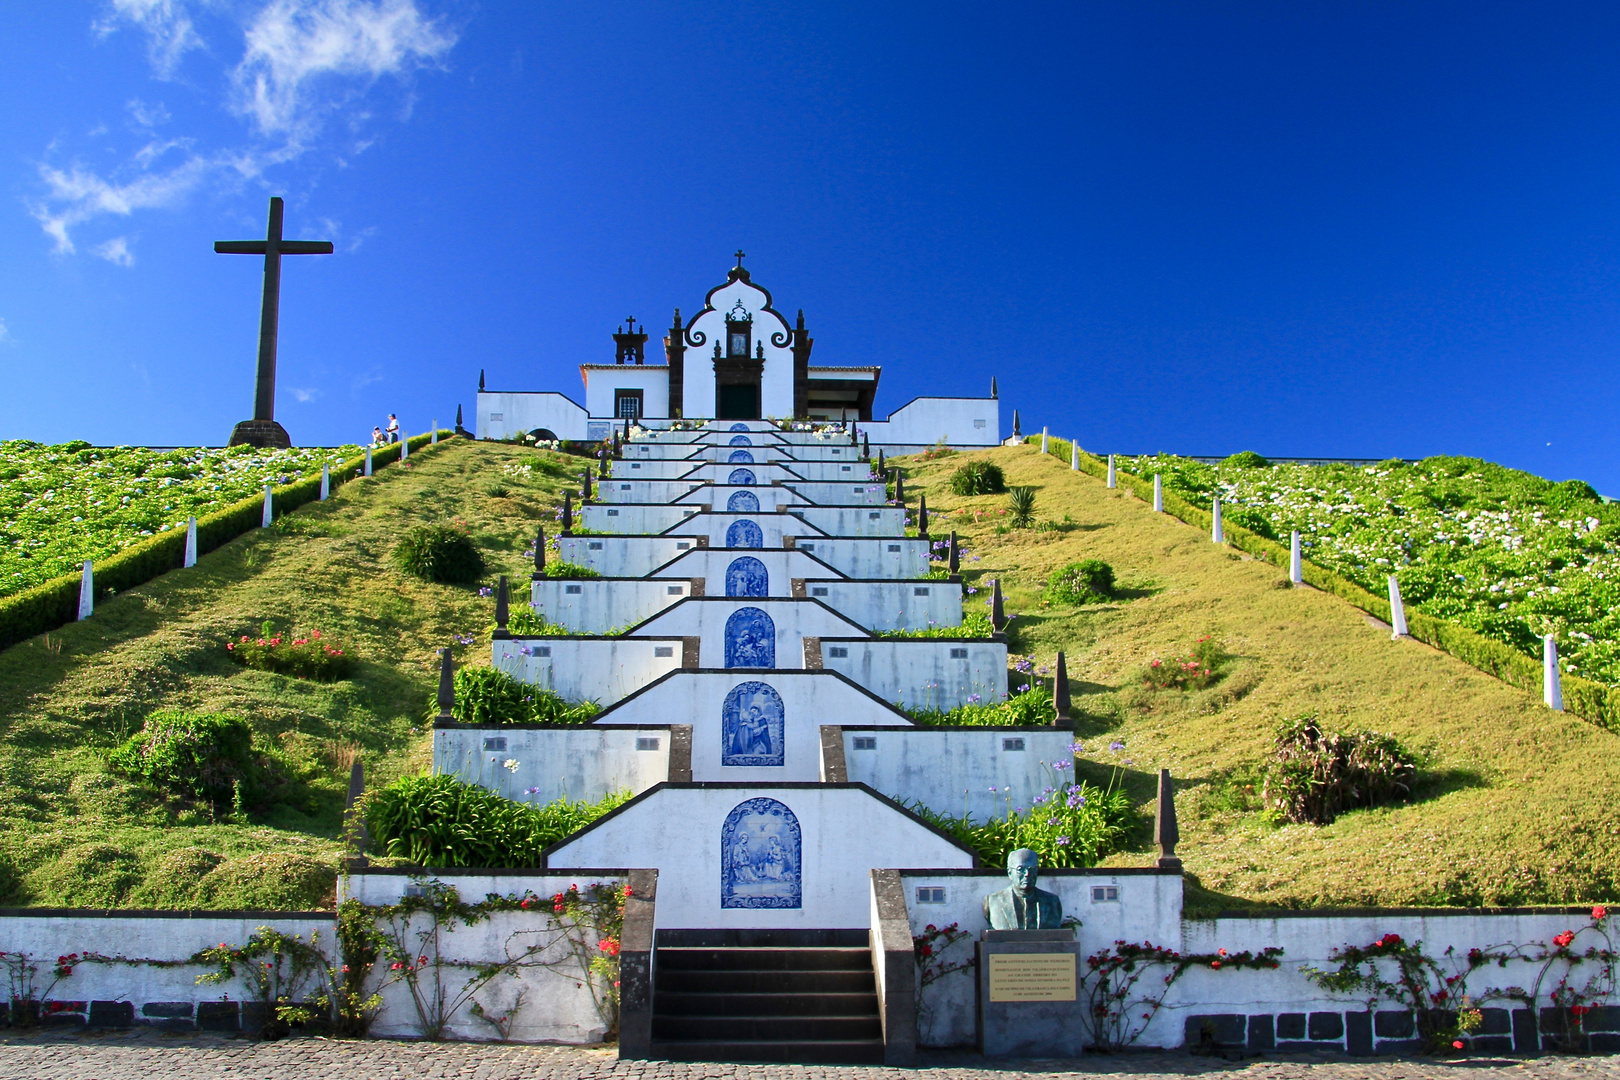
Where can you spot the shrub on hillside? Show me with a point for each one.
(978, 478)
(440, 821)
(1247, 459)
(309, 657)
(1033, 708)
(439, 553)
(1195, 670)
(1021, 507)
(1249, 518)
(1089, 581)
(203, 756)
(1315, 775)
(486, 697)
(557, 568)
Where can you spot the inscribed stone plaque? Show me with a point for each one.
(1032, 976)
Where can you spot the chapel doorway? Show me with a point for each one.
(737, 402)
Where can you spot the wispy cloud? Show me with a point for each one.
(168, 28)
(116, 251)
(301, 62)
(5, 332)
(303, 396)
(298, 53)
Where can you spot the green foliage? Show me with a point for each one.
(203, 756)
(1034, 708)
(524, 621)
(557, 568)
(975, 624)
(1248, 517)
(1073, 824)
(309, 657)
(1315, 775)
(441, 553)
(978, 478)
(1194, 670)
(498, 491)
(486, 697)
(440, 821)
(1090, 581)
(1021, 507)
(1247, 459)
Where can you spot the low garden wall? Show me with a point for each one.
(588, 669)
(882, 605)
(538, 765)
(622, 556)
(927, 673)
(606, 604)
(990, 768)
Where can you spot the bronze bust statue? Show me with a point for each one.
(1021, 906)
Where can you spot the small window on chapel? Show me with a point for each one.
(627, 404)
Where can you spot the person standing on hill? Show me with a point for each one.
(393, 428)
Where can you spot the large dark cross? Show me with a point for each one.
(263, 430)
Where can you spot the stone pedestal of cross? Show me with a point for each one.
(263, 430)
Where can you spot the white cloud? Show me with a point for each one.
(147, 116)
(76, 195)
(169, 31)
(303, 396)
(294, 46)
(5, 332)
(116, 251)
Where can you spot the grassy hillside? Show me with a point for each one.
(71, 833)
(1515, 805)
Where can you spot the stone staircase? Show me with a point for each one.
(803, 996)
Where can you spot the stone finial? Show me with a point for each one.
(87, 591)
(922, 516)
(993, 391)
(955, 557)
(447, 686)
(854, 440)
(190, 558)
(480, 379)
(1158, 493)
(1112, 480)
(882, 469)
(1166, 834)
(1043, 440)
(568, 513)
(866, 446)
(1397, 610)
(1552, 689)
(460, 430)
(1216, 533)
(998, 616)
(1016, 432)
(354, 825)
(1060, 688)
(502, 600)
(540, 552)
(1296, 564)
(899, 486)
(602, 456)
(585, 484)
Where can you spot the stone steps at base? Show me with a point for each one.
(829, 1052)
(778, 1001)
(754, 1028)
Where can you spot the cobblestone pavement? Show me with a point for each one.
(150, 1056)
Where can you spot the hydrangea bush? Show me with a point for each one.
(1507, 554)
(60, 505)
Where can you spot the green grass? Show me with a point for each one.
(1516, 804)
(72, 833)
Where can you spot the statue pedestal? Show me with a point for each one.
(261, 433)
(1029, 994)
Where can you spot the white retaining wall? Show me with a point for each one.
(773, 527)
(891, 605)
(587, 669)
(771, 496)
(922, 672)
(841, 493)
(500, 415)
(782, 565)
(582, 763)
(633, 517)
(870, 557)
(705, 618)
(962, 771)
(598, 605)
(622, 556)
(855, 521)
(845, 831)
(924, 421)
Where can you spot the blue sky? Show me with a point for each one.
(1304, 229)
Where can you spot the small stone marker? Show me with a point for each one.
(866, 446)
(1164, 826)
(568, 513)
(585, 484)
(540, 553)
(404, 446)
(1296, 563)
(368, 461)
(899, 486)
(1552, 687)
(269, 508)
(1060, 689)
(922, 516)
(1216, 533)
(326, 481)
(955, 563)
(1043, 440)
(1158, 493)
(433, 440)
(882, 469)
(1074, 455)
(1397, 610)
(87, 592)
(447, 686)
(998, 617)
(190, 558)
(502, 603)
(354, 823)
(1111, 480)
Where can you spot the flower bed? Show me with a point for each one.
(1504, 553)
(61, 505)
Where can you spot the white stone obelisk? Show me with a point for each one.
(1552, 687)
(87, 592)
(1074, 455)
(269, 508)
(404, 446)
(434, 439)
(1158, 493)
(1112, 481)
(368, 461)
(191, 543)
(1296, 563)
(1397, 610)
(1216, 533)
(1043, 440)
(326, 482)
